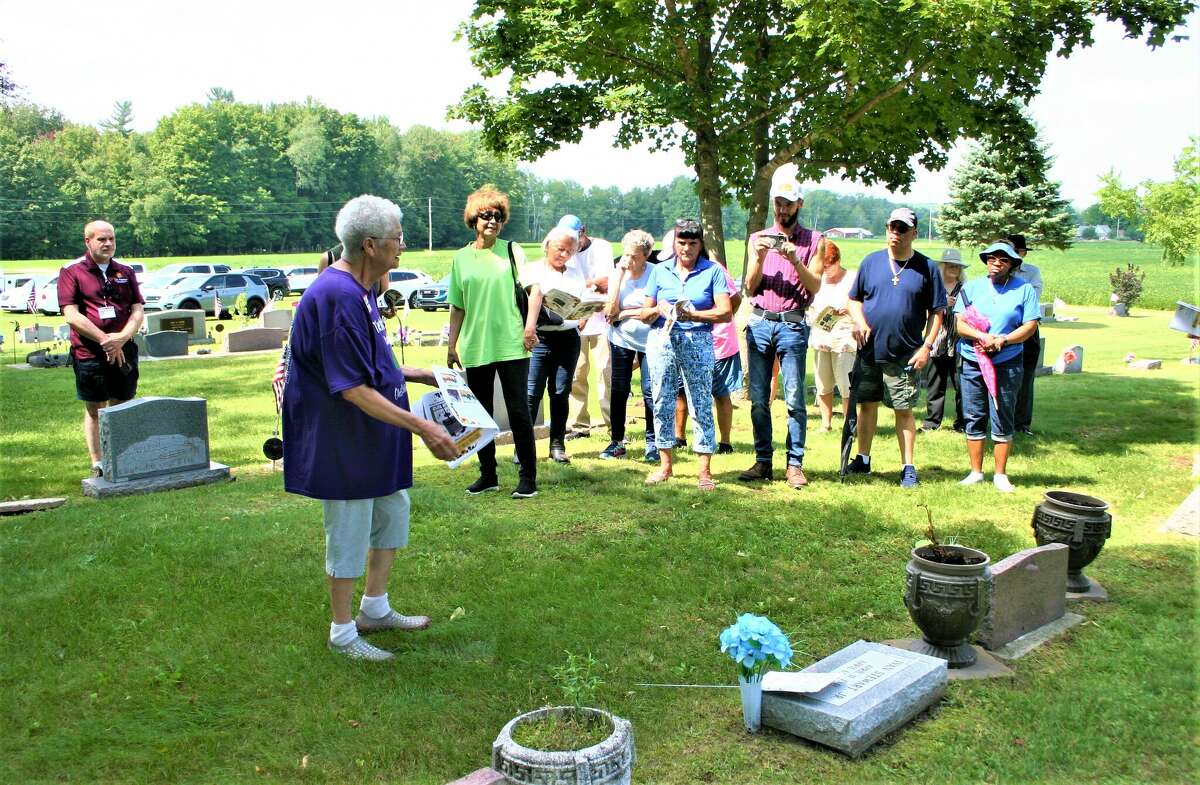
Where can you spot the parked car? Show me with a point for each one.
(273, 277)
(15, 297)
(433, 297)
(406, 282)
(300, 278)
(199, 292)
(187, 268)
(139, 269)
(47, 298)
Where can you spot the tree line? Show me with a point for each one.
(227, 177)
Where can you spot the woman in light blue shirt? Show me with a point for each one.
(1011, 307)
(684, 299)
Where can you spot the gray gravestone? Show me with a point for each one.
(64, 332)
(1073, 366)
(1026, 592)
(276, 319)
(881, 689)
(190, 322)
(38, 334)
(169, 343)
(153, 444)
(254, 339)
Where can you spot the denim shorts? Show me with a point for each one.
(887, 382)
(352, 526)
(978, 411)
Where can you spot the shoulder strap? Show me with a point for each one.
(512, 262)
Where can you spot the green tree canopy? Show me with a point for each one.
(1169, 213)
(865, 89)
(992, 196)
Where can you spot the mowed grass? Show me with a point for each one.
(1078, 276)
(179, 637)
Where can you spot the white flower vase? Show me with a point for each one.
(751, 701)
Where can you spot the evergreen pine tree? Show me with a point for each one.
(121, 121)
(992, 196)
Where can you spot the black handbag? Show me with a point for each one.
(545, 317)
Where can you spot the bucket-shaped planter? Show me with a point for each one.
(947, 601)
(1078, 521)
(608, 763)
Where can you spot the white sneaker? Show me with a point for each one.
(971, 479)
(359, 649)
(1002, 484)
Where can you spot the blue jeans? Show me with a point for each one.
(686, 354)
(622, 379)
(766, 340)
(553, 362)
(977, 404)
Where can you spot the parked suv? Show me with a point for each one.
(300, 278)
(199, 292)
(273, 277)
(188, 268)
(432, 297)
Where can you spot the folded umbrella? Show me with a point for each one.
(850, 424)
(980, 322)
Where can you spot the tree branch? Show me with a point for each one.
(653, 69)
(688, 65)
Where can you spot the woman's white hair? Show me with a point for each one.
(637, 239)
(362, 217)
(556, 234)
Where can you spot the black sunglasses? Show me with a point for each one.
(490, 215)
(688, 229)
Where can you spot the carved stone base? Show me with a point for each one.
(1094, 593)
(983, 666)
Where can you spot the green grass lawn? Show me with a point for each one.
(179, 637)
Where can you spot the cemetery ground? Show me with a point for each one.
(179, 637)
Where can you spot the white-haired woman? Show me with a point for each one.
(627, 335)
(555, 346)
(347, 428)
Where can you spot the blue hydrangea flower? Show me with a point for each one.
(756, 643)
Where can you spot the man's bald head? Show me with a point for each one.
(101, 241)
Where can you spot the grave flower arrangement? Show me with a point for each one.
(755, 643)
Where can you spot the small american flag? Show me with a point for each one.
(31, 303)
(217, 306)
(279, 378)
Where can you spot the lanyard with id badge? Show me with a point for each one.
(107, 311)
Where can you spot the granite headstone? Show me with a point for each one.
(1026, 592)
(64, 332)
(881, 689)
(153, 444)
(168, 343)
(253, 339)
(189, 321)
(39, 333)
(276, 319)
(1070, 361)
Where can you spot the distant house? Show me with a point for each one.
(1103, 232)
(856, 232)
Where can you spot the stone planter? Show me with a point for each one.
(608, 763)
(947, 601)
(1080, 522)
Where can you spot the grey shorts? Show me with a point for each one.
(352, 526)
(887, 382)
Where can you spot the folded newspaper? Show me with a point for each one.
(454, 407)
(572, 308)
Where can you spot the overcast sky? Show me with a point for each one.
(1117, 104)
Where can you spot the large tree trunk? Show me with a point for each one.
(708, 172)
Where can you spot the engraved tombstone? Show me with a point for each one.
(1070, 361)
(154, 444)
(880, 688)
(188, 321)
(254, 339)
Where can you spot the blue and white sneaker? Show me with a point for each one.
(612, 451)
(908, 477)
(651, 454)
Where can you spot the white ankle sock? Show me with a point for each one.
(375, 607)
(1002, 484)
(865, 459)
(971, 479)
(341, 634)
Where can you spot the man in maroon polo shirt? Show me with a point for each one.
(101, 301)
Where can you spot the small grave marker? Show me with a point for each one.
(1027, 591)
(1070, 361)
(168, 343)
(188, 321)
(881, 688)
(254, 339)
(276, 319)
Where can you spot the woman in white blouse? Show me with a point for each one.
(832, 335)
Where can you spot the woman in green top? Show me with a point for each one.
(487, 336)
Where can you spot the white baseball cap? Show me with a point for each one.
(785, 184)
(904, 216)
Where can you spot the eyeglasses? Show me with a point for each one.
(399, 238)
(490, 215)
(999, 258)
(898, 228)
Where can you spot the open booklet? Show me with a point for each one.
(454, 407)
(672, 312)
(572, 308)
